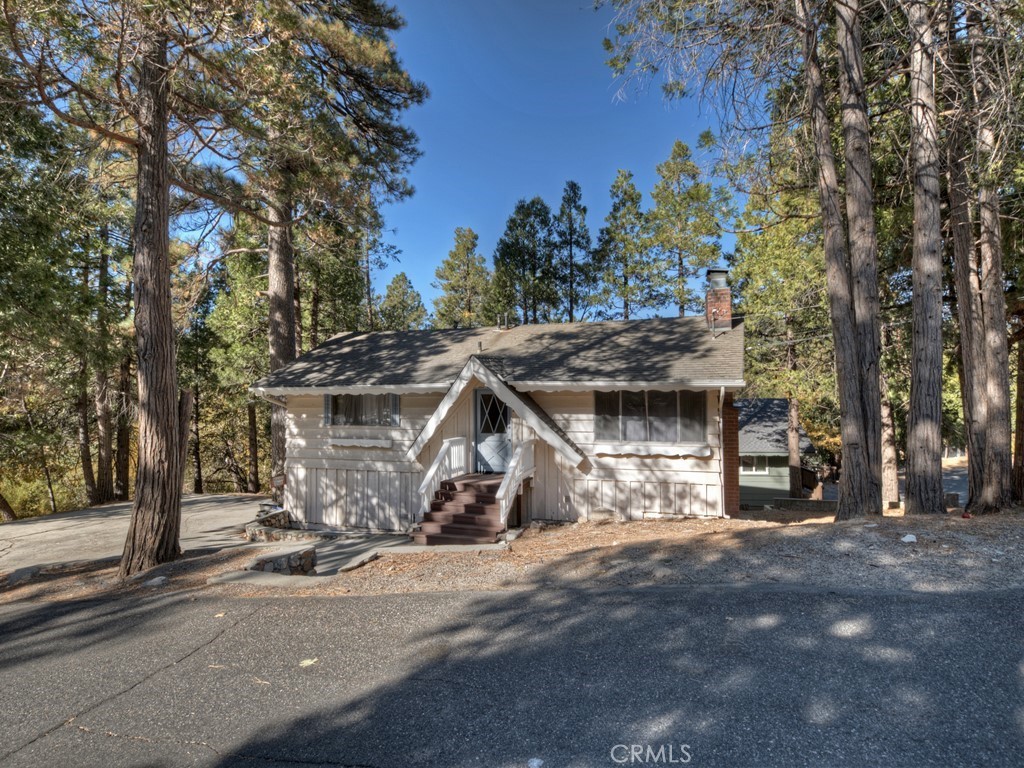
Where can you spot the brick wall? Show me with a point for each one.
(731, 455)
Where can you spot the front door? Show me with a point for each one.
(493, 441)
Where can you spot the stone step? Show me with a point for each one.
(449, 538)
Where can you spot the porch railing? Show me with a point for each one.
(519, 468)
(451, 461)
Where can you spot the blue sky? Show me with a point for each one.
(521, 102)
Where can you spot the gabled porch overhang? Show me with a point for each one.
(521, 404)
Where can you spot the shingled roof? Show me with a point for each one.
(680, 352)
(764, 427)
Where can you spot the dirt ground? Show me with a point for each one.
(951, 554)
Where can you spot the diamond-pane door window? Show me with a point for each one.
(493, 415)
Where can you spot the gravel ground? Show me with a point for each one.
(951, 554)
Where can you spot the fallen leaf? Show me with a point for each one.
(261, 682)
(308, 662)
(219, 615)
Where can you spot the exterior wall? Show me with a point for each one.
(354, 486)
(377, 487)
(634, 487)
(759, 489)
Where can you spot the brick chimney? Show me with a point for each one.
(718, 305)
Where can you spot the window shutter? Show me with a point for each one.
(327, 411)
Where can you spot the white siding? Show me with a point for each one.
(376, 488)
(634, 487)
(329, 485)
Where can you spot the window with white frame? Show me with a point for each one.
(650, 417)
(754, 465)
(364, 410)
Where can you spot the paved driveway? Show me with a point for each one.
(207, 522)
(776, 676)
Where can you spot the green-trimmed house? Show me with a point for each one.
(764, 450)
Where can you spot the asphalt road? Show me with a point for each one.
(207, 522)
(724, 676)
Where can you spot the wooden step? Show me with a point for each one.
(449, 538)
(462, 518)
(465, 496)
(458, 529)
(469, 508)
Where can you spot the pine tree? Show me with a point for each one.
(463, 280)
(524, 266)
(686, 222)
(632, 277)
(401, 308)
(572, 253)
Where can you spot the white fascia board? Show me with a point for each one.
(356, 389)
(441, 412)
(629, 386)
(475, 369)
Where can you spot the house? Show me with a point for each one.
(764, 451)
(465, 431)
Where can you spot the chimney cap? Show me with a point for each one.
(718, 277)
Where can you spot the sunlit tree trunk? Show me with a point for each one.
(281, 289)
(924, 426)
(156, 513)
(857, 484)
(253, 480)
(862, 234)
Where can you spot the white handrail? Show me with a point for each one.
(519, 468)
(451, 461)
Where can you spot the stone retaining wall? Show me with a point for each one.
(294, 562)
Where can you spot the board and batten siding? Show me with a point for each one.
(353, 486)
(377, 487)
(634, 487)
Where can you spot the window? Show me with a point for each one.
(649, 417)
(754, 465)
(364, 410)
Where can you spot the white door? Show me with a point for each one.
(493, 441)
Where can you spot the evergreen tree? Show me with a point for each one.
(525, 276)
(401, 309)
(632, 277)
(686, 223)
(573, 257)
(463, 280)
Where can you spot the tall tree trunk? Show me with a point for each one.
(796, 480)
(858, 489)
(6, 510)
(890, 459)
(253, 484)
(42, 457)
(997, 490)
(123, 436)
(924, 426)
(298, 311)
(572, 270)
(197, 456)
(862, 234)
(314, 315)
(1018, 437)
(281, 287)
(969, 316)
(104, 419)
(156, 513)
(84, 439)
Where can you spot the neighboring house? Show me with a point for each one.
(560, 421)
(764, 450)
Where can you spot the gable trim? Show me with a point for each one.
(478, 369)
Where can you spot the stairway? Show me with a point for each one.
(464, 511)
